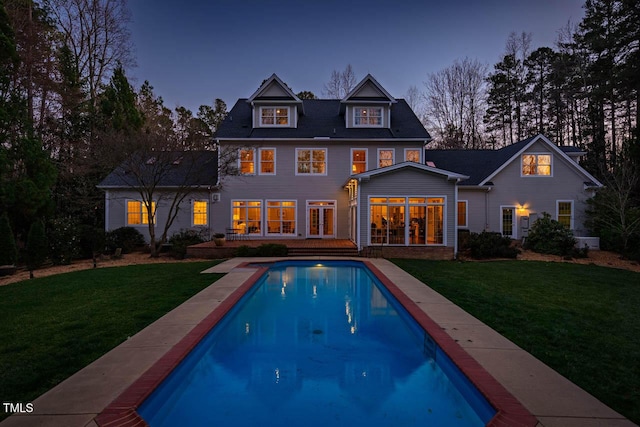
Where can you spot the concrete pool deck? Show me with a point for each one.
(551, 398)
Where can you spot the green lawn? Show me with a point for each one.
(582, 320)
(54, 326)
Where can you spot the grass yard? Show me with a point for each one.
(582, 320)
(54, 326)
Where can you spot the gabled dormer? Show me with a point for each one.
(368, 105)
(274, 105)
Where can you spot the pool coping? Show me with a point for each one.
(83, 399)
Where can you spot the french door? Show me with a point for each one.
(321, 219)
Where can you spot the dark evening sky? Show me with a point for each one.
(195, 51)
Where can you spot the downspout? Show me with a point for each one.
(486, 209)
(106, 210)
(358, 215)
(455, 223)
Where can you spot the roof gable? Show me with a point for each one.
(412, 165)
(274, 89)
(369, 90)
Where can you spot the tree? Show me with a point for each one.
(36, 247)
(455, 100)
(305, 94)
(8, 249)
(340, 83)
(213, 117)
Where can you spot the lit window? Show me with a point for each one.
(385, 157)
(462, 213)
(267, 161)
(137, 213)
(247, 159)
(411, 155)
(358, 160)
(281, 217)
(247, 216)
(536, 164)
(565, 213)
(200, 212)
(311, 161)
(367, 116)
(274, 116)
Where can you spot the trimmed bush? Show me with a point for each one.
(126, 238)
(548, 236)
(246, 251)
(63, 240)
(491, 245)
(180, 240)
(8, 248)
(267, 249)
(91, 241)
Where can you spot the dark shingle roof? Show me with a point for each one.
(477, 164)
(172, 169)
(322, 118)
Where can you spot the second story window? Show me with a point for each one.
(358, 160)
(536, 165)
(412, 155)
(267, 161)
(367, 116)
(311, 161)
(385, 157)
(274, 116)
(247, 160)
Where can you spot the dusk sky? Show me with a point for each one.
(193, 52)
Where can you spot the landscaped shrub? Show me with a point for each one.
(126, 238)
(8, 249)
(491, 245)
(180, 240)
(267, 249)
(63, 240)
(37, 249)
(548, 236)
(91, 241)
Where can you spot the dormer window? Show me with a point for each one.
(367, 116)
(274, 116)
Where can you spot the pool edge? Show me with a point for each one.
(122, 411)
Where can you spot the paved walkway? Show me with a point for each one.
(553, 399)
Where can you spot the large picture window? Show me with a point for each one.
(137, 213)
(536, 164)
(407, 220)
(281, 217)
(311, 161)
(247, 216)
(367, 116)
(274, 116)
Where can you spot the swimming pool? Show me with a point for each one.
(316, 345)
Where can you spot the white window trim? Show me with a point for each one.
(311, 149)
(466, 214)
(537, 154)
(366, 159)
(419, 150)
(266, 217)
(274, 108)
(571, 222)
(193, 213)
(126, 213)
(355, 109)
(262, 205)
(260, 160)
(393, 156)
(255, 161)
(406, 205)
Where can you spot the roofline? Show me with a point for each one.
(327, 138)
(423, 167)
(553, 147)
(167, 187)
(376, 84)
(268, 82)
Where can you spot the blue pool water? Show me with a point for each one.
(316, 345)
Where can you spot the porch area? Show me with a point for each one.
(296, 247)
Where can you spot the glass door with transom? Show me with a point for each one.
(321, 219)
